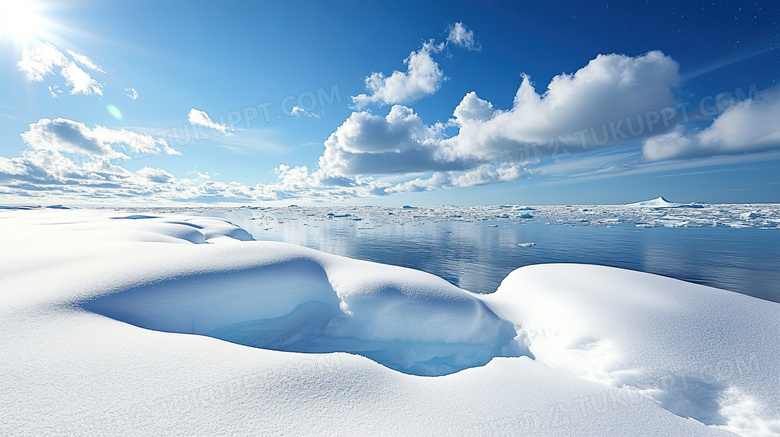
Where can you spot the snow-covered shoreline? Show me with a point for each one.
(575, 348)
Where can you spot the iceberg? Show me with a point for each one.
(147, 323)
(658, 202)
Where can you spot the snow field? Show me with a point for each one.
(98, 311)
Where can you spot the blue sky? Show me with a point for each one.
(388, 103)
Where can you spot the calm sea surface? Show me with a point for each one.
(478, 255)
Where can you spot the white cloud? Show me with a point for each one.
(422, 77)
(85, 61)
(198, 117)
(54, 91)
(406, 155)
(751, 126)
(370, 144)
(49, 171)
(69, 161)
(458, 34)
(297, 111)
(609, 88)
(80, 81)
(483, 174)
(40, 61)
(489, 173)
(65, 135)
(473, 109)
(98, 143)
(131, 93)
(584, 110)
(157, 175)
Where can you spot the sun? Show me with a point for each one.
(20, 20)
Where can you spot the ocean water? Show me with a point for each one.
(477, 253)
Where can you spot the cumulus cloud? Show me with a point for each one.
(371, 144)
(459, 35)
(422, 77)
(40, 60)
(99, 143)
(567, 118)
(131, 93)
(604, 102)
(750, 126)
(198, 117)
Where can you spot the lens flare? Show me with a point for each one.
(114, 111)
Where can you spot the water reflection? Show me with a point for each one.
(478, 255)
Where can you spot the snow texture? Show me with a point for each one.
(139, 323)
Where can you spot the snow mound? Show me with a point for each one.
(196, 230)
(658, 202)
(423, 327)
(699, 352)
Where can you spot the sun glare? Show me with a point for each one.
(20, 20)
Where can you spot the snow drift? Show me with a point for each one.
(404, 319)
